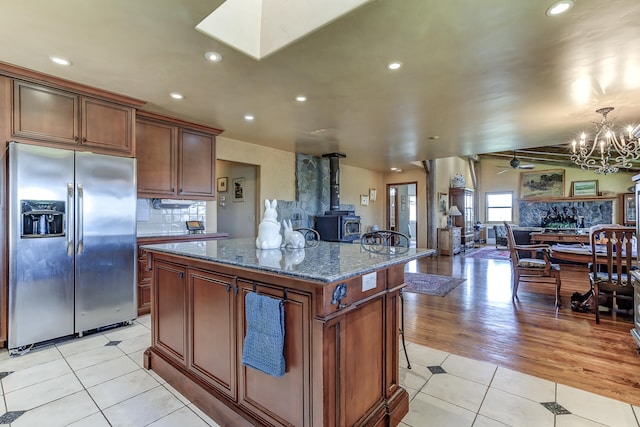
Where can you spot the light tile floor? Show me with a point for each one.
(98, 380)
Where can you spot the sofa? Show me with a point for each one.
(522, 235)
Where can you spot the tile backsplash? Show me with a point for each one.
(163, 221)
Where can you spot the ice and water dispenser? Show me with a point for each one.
(43, 218)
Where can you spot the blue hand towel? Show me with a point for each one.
(264, 342)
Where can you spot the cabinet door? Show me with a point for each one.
(196, 174)
(170, 310)
(364, 352)
(144, 285)
(107, 126)
(44, 113)
(443, 240)
(156, 153)
(283, 400)
(213, 328)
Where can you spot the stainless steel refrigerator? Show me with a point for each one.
(72, 242)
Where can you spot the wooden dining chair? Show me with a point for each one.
(613, 249)
(531, 268)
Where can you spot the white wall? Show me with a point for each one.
(355, 182)
(235, 217)
(276, 179)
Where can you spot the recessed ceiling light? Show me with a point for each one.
(176, 95)
(394, 65)
(60, 61)
(249, 117)
(213, 56)
(301, 98)
(559, 7)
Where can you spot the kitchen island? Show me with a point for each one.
(341, 320)
(144, 275)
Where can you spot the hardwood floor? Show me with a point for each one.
(479, 320)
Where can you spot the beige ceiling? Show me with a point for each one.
(482, 75)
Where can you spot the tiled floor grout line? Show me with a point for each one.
(495, 371)
(84, 387)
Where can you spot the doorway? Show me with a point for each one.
(402, 211)
(236, 205)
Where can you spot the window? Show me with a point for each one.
(499, 206)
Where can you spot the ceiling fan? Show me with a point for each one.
(515, 164)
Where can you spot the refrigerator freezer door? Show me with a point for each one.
(105, 240)
(40, 269)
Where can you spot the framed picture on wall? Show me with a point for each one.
(584, 188)
(223, 184)
(442, 202)
(238, 189)
(541, 184)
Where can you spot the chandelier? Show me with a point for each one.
(608, 152)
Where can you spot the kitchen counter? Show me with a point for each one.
(341, 315)
(327, 262)
(179, 236)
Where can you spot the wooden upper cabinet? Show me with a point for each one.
(57, 116)
(156, 150)
(176, 159)
(197, 164)
(44, 113)
(107, 125)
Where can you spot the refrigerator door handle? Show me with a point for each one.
(80, 219)
(69, 219)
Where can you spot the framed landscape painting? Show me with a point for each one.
(584, 188)
(542, 184)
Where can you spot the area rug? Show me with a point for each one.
(430, 284)
(489, 253)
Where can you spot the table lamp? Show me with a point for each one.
(453, 211)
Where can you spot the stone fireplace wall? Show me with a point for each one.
(312, 192)
(594, 212)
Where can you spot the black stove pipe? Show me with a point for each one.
(334, 179)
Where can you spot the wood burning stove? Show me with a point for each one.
(337, 225)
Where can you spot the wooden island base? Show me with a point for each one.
(341, 354)
(226, 412)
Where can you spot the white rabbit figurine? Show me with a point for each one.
(292, 257)
(292, 239)
(269, 229)
(269, 258)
